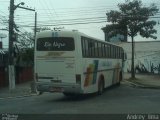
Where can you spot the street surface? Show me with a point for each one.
(119, 99)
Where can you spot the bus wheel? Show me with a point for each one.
(40, 93)
(100, 87)
(120, 78)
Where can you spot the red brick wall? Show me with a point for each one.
(26, 74)
(23, 74)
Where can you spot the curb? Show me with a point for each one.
(135, 84)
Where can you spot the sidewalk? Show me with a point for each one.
(21, 90)
(144, 80)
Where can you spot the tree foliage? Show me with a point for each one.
(25, 46)
(25, 40)
(27, 56)
(136, 17)
(115, 29)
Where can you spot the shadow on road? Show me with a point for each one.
(81, 97)
(76, 98)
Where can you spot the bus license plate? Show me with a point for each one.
(56, 89)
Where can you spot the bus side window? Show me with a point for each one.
(86, 48)
(96, 49)
(116, 52)
(83, 47)
(91, 48)
(112, 51)
(109, 51)
(99, 49)
(121, 52)
(103, 48)
(106, 51)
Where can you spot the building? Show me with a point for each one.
(115, 33)
(147, 56)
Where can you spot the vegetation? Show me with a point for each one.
(25, 47)
(136, 18)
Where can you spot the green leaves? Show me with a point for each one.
(113, 16)
(136, 17)
(147, 29)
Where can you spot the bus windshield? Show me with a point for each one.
(55, 44)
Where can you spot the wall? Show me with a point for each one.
(147, 57)
(22, 74)
(2, 77)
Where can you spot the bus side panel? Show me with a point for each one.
(89, 78)
(94, 69)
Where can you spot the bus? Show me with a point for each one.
(71, 62)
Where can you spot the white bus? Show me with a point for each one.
(74, 63)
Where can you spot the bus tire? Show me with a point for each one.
(100, 87)
(120, 79)
(120, 76)
(39, 93)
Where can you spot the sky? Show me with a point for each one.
(87, 16)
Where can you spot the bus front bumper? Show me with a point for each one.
(58, 87)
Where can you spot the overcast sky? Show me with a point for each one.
(87, 16)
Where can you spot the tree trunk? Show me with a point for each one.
(132, 66)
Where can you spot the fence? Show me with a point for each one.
(2, 77)
(22, 74)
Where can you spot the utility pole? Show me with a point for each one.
(33, 84)
(35, 26)
(11, 71)
(10, 54)
(132, 65)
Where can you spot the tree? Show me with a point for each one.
(25, 40)
(134, 16)
(27, 56)
(24, 48)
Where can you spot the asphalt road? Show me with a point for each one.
(116, 100)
